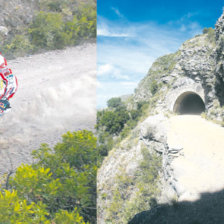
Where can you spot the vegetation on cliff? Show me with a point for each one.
(144, 182)
(116, 120)
(55, 25)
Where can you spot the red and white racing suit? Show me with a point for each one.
(8, 82)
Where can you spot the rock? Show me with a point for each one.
(154, 129)
(3, 30)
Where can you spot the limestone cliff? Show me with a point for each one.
(138, 173)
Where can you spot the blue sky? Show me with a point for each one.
(131, 34)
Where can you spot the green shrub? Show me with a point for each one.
(50, 31)
(66, 217)
(149, 166)
(128, 127)
(46, 30)
(88, 22)
(114, 102)
(208, 30)
(211, 33)
(54, 6)
(19, 46)
(14, 210)
(114, 121)
(117, 120)
(153, 86)
(35, 185)
(105, 144)
(59, 186)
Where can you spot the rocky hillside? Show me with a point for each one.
(137, 175)
(16, 14)
(32, 26)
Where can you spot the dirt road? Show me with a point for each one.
(57, 93)
(201, 167)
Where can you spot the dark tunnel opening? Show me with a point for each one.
(189, 103)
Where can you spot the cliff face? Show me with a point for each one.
(219, 69)
(192, 65)
(133, 178)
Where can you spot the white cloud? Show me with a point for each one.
(104, 69)
(105, 32)
(186, 24)
(107, 29)
(117, 12)
(110, 71)
(123, 62)
(183, 28)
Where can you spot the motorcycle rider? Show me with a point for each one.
(8, 85)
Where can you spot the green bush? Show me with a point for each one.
(14, 210)
(50, 31)
(54, 6)
(59, 188)
(36, 185)
(128, 127)
(114, 102)
(153, 86)
(19, 46)
(87, 21)
(114, 121)
(105, 144)
(150, 167)
(76, 168)
(211, 33)
(66, 217)
(46, 30)
(208, 30)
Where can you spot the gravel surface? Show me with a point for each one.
(57, 93)
(200, 169)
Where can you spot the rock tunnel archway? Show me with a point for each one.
(189, 103)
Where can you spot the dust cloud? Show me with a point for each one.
(56, 94)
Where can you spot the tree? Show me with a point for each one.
(114, 121)
(114, 102)
(74, 163)
(61, 184)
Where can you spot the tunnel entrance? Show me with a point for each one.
(189, 103)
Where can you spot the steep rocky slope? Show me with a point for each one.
(16, 14)
(144, 169)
